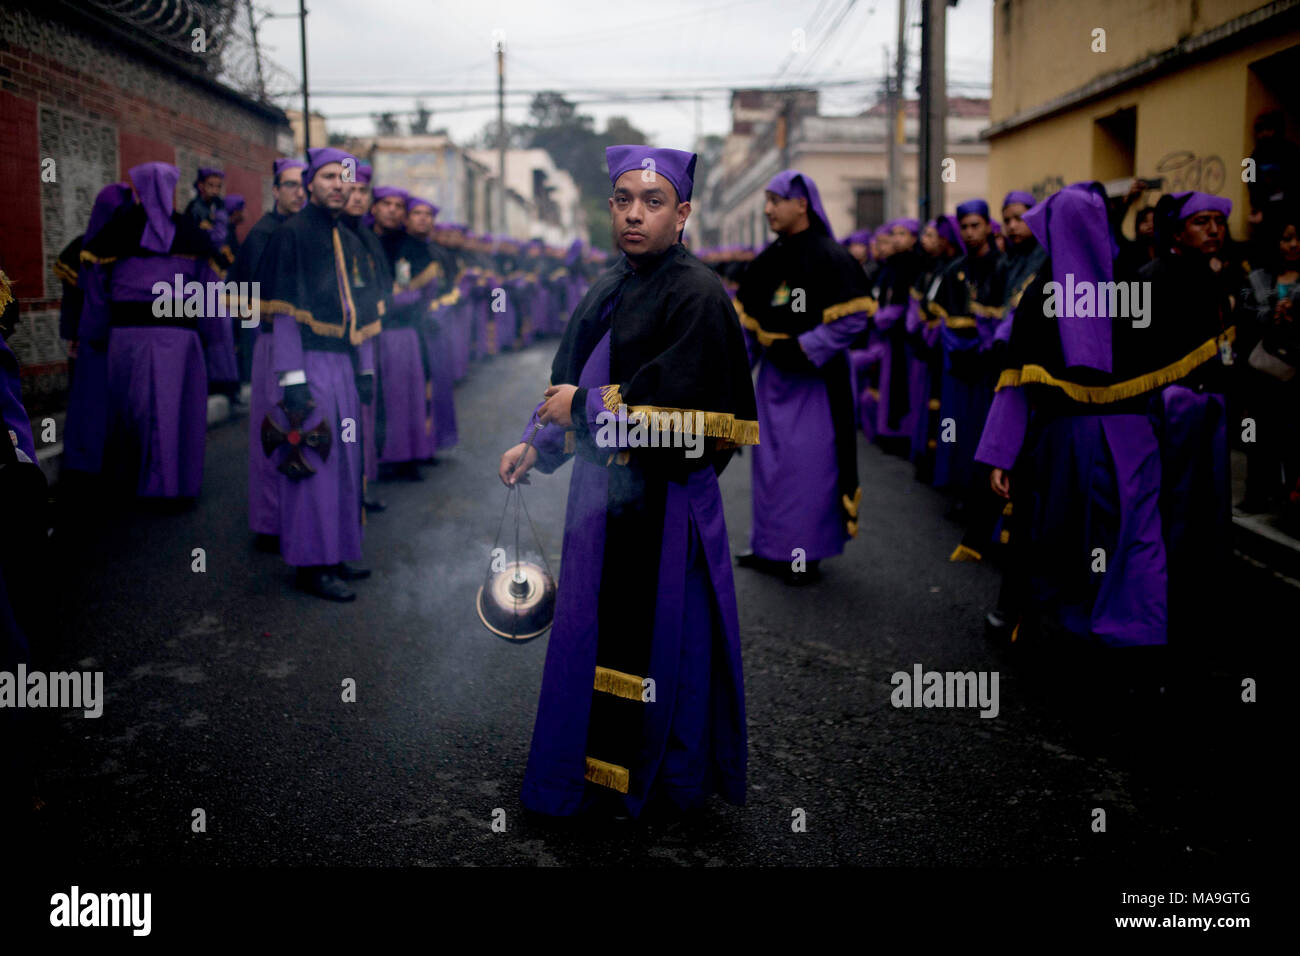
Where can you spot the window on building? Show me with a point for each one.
(869, 206)
(1114, 148)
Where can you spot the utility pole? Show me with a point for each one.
(891, 154)
(501, 133)
(306, 112)
(897, 121)
(257, 51)
(934, 107)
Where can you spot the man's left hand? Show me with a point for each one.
(556, 409)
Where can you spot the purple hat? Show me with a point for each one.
(995, 226)
(286, 162)
(861, 236)
(675, 165)
(1072, 226)
(973, 206)
(792, 184)
(911, 225)
(1020, 196)
(108, 201)
(205, 172)
(413, 201)
(155, 184)
(234, 202)
(321, 156)
(384, 192)
(1201, 202)
(365, 172)
(949, 228)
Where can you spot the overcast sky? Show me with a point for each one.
(600, 50)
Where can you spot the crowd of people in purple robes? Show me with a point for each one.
(1087, 455)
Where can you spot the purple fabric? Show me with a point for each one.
(286, 162)
(365, 173)
(320, 516)
(408, 416)
(972, 206)
(795, 501)
(438, 341)
(695, 737)
(1072, 226)
(383, 192)
(675, 165)
(967, 404)
(1202, 202)
(219, 355)
(319, 157)
(158, 409)
(949, 228)
(234, 202)
(1096, 483)
(1020, 196)
(263, 487)
(823, 342)
(860, 237)
(792, 184)
(1196, 506)
(108, 201)
(911, 225)
(12, 411)
(414, 201)
(1004, 429)
(155, 184)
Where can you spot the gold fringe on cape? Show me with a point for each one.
(722, 425)
(607, 774)
(963, 553)
(851, 504)
(64, 273)
(1100, 394)
(765, 338)
(610, 681)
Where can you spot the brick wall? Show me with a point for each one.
(97, 109)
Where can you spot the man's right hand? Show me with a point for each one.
(1000, 482)
(515, 464)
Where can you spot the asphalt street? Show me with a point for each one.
(224, 692)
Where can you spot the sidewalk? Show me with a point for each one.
(50, 456)
(1262, 537)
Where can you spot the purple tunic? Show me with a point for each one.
(158, 384)
(438, 338)
(408, 415)
(694, 733)
(86, 424)
(795, 474)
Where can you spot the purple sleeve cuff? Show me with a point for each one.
(822, 343)
(1004, 429)
(286, 345)
(888, 315)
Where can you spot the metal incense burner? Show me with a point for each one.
(517, 600)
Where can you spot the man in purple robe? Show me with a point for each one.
(1071, 444)
(321, 343)
(255, 350)
(208, 210)
(642, 695)
(159, 324)
(355, 208)
(405, 410)
(802, 301)
(1192, 329)
(435, 336)
(924, 345)
(895, 415)
(970, 302)
(84, 323)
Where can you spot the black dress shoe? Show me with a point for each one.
(410, 470)
(751, 560)
(267, 543)
(350, 572)
(323, 583)
(374, 504)
(810, 575)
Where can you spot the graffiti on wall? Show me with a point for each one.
(1182, 169)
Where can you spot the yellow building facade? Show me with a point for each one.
(1168, 90)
